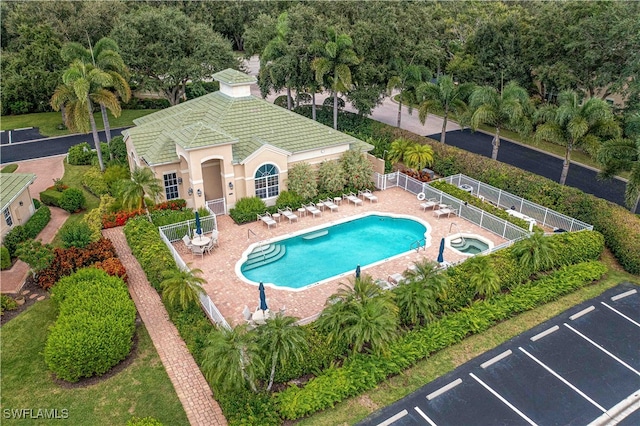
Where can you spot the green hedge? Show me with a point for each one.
(93, 180)
(51, 197)
(80, 155)
(621, 228)
(246, 209)
(9, 168)
(95, 326)
(29, 230)
(5, 258)
(72, 200)
(363, 372)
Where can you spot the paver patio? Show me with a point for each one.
(230, 294)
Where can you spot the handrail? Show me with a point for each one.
(418, 245)
(250, 231)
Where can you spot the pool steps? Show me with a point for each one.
(264, 255)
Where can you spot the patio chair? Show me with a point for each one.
(351, 197)
(311, 208)
(187, 241)
(369, 196)
(246, 313)
(396, 278)
(197, 250)
(214, 237)
(429, 204)
(209, 247)
(330, 204)
(289, 214)
(267, 219)
(385, 285)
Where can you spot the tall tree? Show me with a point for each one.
(576, 124)
(182, 287)
(165, 49)
(398, 151)
(512, 107)
(417, 296)
(142, 182)
(84, 84)
(281, 340)
(278, 61)
(231, 359)
(362, 315)
(406, 81)
(623, 154)
(332, 66)
(446, 96)
(418, 156)
(104, 56)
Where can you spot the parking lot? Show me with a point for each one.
(580, 367)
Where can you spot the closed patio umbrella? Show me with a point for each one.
(441, 252)
(358, 271)
(263, 298)
(198, 226)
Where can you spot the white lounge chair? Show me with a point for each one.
(352, 198)
(429, 204)
(396, 278)
(289, 214)
(330, 204)
(369, 196)
(267, 219)
(311, 208)
(445, 210)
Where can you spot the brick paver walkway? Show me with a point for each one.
(188, 381)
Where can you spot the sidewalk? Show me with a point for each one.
(187, 379)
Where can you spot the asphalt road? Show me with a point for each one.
(537, 162)
(38, 148)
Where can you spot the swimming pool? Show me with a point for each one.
(319, 254)
(468, 244)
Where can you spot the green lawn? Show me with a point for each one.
(48, 122)
(355, 409)
(141, 389)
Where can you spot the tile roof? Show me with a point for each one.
(216, 118)
(11, 185)
(233, 77)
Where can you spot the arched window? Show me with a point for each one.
(266, 181)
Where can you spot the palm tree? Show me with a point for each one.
(575, 124)
(484, 277)
(104, 56)
(418, 156)
(277, 62)
(624, 155)
(332, 66)
(133, 190)
(535, 253)
(84, 84)
(417, 296)
(231, 359)
(399, 148)
(362, 315)
(281, 340)
(182, 286)
(407, 81)
(445, 95)
(511, 107)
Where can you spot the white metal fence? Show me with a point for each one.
(506, 200)
(216, 207)
(168, 233)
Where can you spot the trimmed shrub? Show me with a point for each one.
(93, 218)
(95, 327)
(7, 303)
(118, 149)
(289, 199)
(72, 200)
(247, 209)
(5, 258)
(80, 155)
(14, 237)
(176, 204)
(364, 371)
(111, 220)
(75, 235)
(9, 168)
(167, 217)
(113, 174)
(38, 221)
(36, 203)
(302, 181)
(93, 180)
(51, 197)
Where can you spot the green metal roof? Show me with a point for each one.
(233, 77)
(12, 185)
(247, 122)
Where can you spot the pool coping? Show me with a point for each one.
(245, 253)
(447, 242)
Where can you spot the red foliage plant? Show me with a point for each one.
(111, 220)
(177, 204)
(113, 266)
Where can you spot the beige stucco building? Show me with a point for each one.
(230, 144)
(16, 201)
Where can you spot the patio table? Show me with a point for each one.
(200, 241)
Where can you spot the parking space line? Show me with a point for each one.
(544, 333)
(602, 349)
(563, 380)
(507, 403)
(444, 389)
(621, 314)
(582, 312)
(392, 419)
(496, 359)
(424, 416)
(622, 295)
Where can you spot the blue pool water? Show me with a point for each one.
(470, 245)
(315, 256)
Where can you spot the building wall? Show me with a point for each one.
(20, 214)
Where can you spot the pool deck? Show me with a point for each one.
(230, 294)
